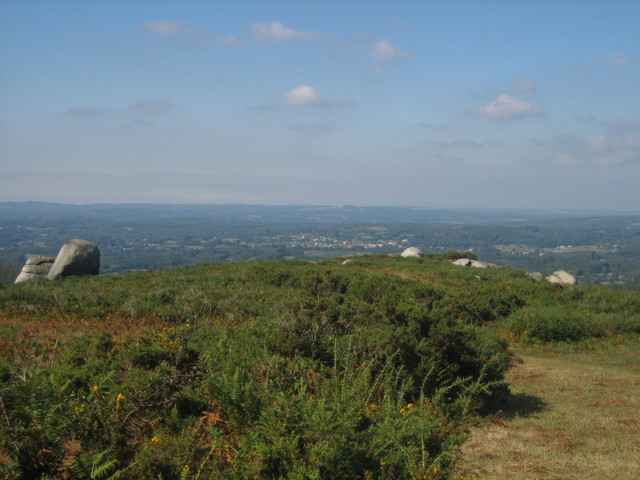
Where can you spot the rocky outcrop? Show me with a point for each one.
(76, 257)
(412, 252)
(562, 277)
(36, 266)
(559, 276)
(468, 262)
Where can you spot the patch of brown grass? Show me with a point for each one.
(571, 416)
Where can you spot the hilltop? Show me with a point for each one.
(287, 369)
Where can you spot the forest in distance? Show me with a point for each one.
(599, 249)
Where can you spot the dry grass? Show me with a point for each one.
(571, 416)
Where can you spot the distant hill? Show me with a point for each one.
(285, 214)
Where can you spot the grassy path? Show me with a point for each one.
(571, 416)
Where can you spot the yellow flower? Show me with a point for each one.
(94, 388)
(405, 410)
(155, 440)
(371, 410)
(119, 399)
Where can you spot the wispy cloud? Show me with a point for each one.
(383, 50)
(314, 128)
(620, 60)
(577, 67)
(593, 150)
(525, 85)
(276, 32)
(84, 112)
(621, 127)
(490, 142)
(169, 28)
(155, 105)
(434, 126)
(508, 107)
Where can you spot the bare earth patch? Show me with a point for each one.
(570, 416)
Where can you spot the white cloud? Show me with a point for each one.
(383, 50)
(507, 107)
(303, 96)
(525, 85)
(307, 96)
(276, 32)
(155, 105)
(179, 29)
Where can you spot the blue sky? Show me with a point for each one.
(450, 104)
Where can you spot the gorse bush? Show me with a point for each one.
(265, 370)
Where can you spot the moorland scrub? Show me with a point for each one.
(373, 369)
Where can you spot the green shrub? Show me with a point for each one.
(259, 370)
(551, 324)
(453, 255)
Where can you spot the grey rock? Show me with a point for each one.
(562, 277)
(412, 252)
(537, 276)
(462, 262)
(76, 257)
(479, 264)
(39, 260)
(36, 266)
(467, 262)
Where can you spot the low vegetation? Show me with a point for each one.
(372, 369)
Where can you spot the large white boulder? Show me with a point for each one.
(562, 277)
(76, 257)
(412, 252)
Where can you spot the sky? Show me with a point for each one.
(440, 104)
